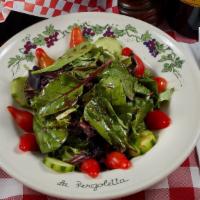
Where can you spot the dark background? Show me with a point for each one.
(15, 23)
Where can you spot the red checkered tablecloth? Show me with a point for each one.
(182, 184)
(52, 8)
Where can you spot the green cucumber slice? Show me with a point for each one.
(58, 165)
(110, 44)
(17, 91)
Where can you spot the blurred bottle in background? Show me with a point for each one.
(146, 10)
(183, 16)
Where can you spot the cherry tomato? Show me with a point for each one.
(140, 68)
(43, 59)
(22, 118)
(90, 167)
(161, 83)
(127, 51)
(76, 37)
(117, 160)
(28, 142)
(157, 119)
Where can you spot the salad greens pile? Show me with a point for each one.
(88, 103)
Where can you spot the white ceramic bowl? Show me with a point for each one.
(175, 142)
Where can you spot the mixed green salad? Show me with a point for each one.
(92, 109)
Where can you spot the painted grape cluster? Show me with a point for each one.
(109, 32)
(88, 32)
(49, 36)
(151, 45)
(51, 39)
(48, 40)
(28, 46)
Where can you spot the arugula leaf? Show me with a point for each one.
(101, 116)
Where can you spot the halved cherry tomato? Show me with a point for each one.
(28, 142)
(161, 83)
(127, 51)
(76, 37)
(43, 59)
(90, 167)
(140, 68)
(117, 160)
(157, 119)
(22, 118)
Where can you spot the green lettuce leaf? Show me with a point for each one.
(66, 153)
(48, 138)
(63, 84)
(58, 95)
(111, 88)
(143, 107)
(127, 80)
(70, 55)
(166, 95)
(101, 116)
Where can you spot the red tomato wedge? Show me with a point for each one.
(23, 119)
(117, 160)
(161, 83)
(157, 119)
(140, 68)
(90, 167)
(43, 59)
(127, 51)
(28, 142)
(76, 37)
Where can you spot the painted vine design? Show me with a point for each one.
(48, 38)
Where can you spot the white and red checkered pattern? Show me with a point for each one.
(52, 8)
(182, 184)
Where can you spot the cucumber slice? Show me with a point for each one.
(71, 55)
(145, 141)
(110, 44)
(58, 165)
(17, 91)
